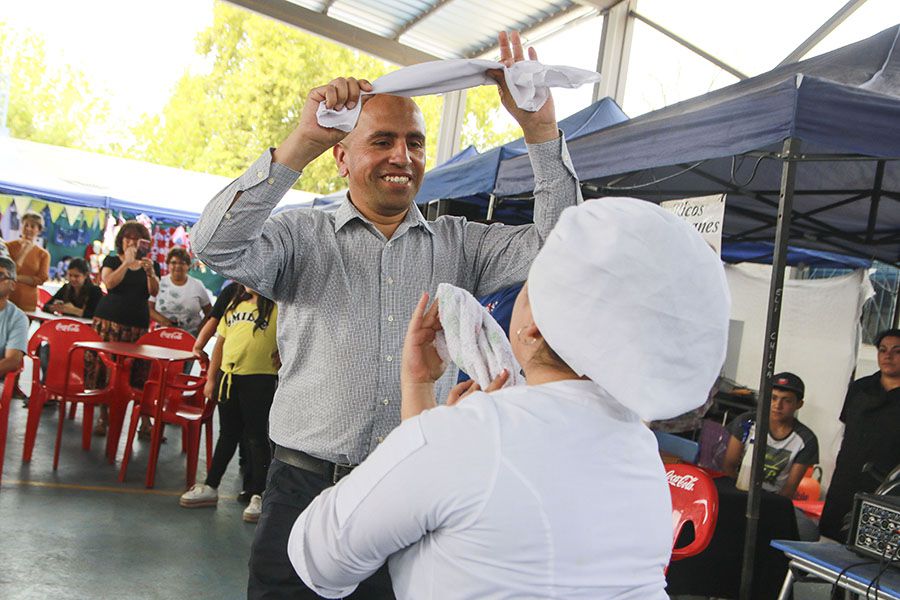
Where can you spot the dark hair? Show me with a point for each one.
(264, 306)
(80, 298)
(548, 357)
(133, 227)
(79, 264)
(886, 333)
(179, 253)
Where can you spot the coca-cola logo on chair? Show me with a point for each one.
(73, 327)
(171, 335)
(684, 482)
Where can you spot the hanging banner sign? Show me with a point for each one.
(705, 213)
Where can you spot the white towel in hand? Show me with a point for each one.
(527, 81)
(472, 339)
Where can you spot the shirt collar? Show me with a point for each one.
(347, 212)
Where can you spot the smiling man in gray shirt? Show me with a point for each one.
(346, 284)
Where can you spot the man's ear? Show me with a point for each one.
(340, 155)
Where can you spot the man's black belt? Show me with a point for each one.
(329, 470)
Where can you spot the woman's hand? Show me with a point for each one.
(209, 388)
(466, 388)
(147, 265)
(129, 256)
(420, 361)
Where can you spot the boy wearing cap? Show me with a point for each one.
(791, 446)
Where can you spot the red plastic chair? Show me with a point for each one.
(9, 384)
(43, 297)
(64, 377)
(184, 406)
(694, 500)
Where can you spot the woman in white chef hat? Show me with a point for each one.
(552, 489)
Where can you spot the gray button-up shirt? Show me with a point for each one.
(345, 292)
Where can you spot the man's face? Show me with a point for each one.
(784, 405)
(384, 156)
(889, 356)
(7, 284)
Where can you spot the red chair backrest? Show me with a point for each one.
(169, 337)
(60, 334)
(43, 297)
(694, 500)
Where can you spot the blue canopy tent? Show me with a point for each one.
(807, 153)
(841, 108)
(471, 177)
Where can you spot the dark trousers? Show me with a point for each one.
(244, 414)
(289, 490)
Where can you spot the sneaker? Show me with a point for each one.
(199, 495)
(251, 513)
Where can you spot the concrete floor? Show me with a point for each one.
(77, 533)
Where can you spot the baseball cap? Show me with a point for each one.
(790, 382)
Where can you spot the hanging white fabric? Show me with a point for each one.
(528, 82)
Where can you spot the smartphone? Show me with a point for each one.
(143, 249)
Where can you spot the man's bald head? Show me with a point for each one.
(384, 156)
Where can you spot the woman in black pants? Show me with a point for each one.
(246, 361)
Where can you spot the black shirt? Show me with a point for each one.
(223, 300)
(126, 303)
(88, 298)
(871, 417)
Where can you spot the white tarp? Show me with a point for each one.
(818, 340)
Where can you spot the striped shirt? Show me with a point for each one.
(345, 292)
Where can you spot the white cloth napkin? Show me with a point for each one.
(472, 339)
(528, 82)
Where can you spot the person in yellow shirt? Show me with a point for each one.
(243, 375)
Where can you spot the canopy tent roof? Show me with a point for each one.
(82, 178)
(843, 106)
(470, 173)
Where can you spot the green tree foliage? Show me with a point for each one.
(52, 105)
(484, 115)
(251, 97)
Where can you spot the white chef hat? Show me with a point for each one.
(631, 296)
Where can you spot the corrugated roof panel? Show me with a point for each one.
(384, 17)
(316, 5)
(452, 31)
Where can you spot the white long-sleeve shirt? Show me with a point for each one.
(551, 491)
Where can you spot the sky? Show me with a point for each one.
(135, 52)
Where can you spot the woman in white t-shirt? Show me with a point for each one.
(182, 300)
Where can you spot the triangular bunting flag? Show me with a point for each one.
(72, 213)
(55, 210)
(5, 201)
(37, 205)
(90, 216)
(22, 204)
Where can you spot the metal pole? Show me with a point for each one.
(490, 208)
(790, 152)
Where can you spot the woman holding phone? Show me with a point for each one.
(32, 262)
(123, 315)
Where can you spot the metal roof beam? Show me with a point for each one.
(696, 50)
(822, 32)
(338, 31)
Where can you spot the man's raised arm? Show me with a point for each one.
(501, 256)
(234, 234)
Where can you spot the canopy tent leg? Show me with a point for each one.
(789, 154)
(492, 204)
